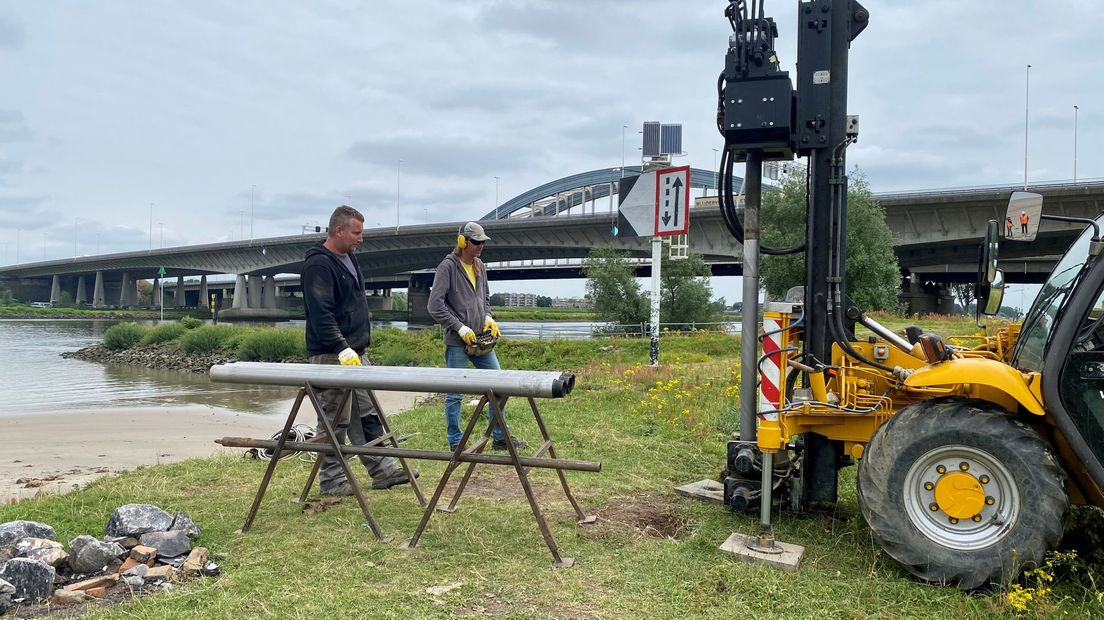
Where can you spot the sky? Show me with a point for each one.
(258, 117)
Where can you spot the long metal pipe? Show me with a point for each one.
(749, 327)
(408, 453)
(525, 383)
(886, 333)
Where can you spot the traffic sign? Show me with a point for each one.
(636, 205)
(672, 201)
(161, 272)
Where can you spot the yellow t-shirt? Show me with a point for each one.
(470, 270)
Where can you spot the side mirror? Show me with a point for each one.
(988, 274)
(995, 297)
(1021, 221)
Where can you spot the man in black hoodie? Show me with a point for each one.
(339, 332)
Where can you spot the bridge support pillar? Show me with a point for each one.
(178, 295)
(82, 294)
(946, 300)
(124, 291)
(98, 291)
(253, 291)
(55, 289)
(417, 295)
(268, 299)
(382, 301)
(204, 296)
(240, 296)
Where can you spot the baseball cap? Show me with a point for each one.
(474, 231)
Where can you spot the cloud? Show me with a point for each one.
(26, 211)
(13, 128)
(12, 35)
(432, 154)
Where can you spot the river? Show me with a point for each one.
(34, 378)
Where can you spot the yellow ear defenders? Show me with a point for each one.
(461, 240)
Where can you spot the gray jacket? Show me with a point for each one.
(453, 302)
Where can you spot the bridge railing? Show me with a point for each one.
(583, 330)
(1093, 183)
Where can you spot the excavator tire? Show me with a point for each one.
(973, 456)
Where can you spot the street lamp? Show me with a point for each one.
(161, 233)
(715, 175)
(1027, 98)
(623, 128)
(398, 189)
(496, 193)
(1075, 108)
(151, 228)
(241, 225)
(252, 191)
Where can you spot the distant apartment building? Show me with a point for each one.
(520, 300)
(570, 302)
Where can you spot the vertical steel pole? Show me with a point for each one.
(749, 325)
(657, 259)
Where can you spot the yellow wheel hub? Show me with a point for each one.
(959, 495)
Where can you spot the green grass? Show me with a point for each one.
(326, 565)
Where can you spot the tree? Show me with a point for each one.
(498, 299)
(872, 275)
(612, 286)
(399, 301)
(965, 294)
(544, 302)
(685, 293)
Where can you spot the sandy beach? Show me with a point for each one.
(62, 451)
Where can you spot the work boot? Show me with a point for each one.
(337, 489)
(386, 473)
(500, 444)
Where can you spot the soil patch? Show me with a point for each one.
(642, 515)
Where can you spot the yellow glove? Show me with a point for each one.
(348, 357)
(492, 325)
(467, 335)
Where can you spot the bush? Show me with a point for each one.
(190, 322)
(123, 336)
(163, 333)
(206, 339)
(271, 345)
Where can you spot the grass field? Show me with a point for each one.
(652, 554)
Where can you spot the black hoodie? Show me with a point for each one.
(337, 312)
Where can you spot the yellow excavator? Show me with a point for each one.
(968, 456)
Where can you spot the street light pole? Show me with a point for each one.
(1075, 108)
(715, 175)
(1027, 99)
(161, 233)
(252, 190)
(398, 190)
(623, 128)
(241, 226)
(151, 228)
(496, 193)
(75, 237)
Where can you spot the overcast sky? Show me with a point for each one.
(110, 106)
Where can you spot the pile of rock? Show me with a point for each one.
(143, 548)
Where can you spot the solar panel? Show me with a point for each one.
(651, 139)
(671, 139)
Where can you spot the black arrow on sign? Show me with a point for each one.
(678, 205)
(666, 218)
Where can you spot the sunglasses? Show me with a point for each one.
(474, 242)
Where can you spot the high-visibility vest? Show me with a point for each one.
(1023, 218)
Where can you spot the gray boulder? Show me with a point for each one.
(32, 580)
(6, 592)
(136, 519)
(43, 549)
(184, 523)
(168, 544)
(12, 531)
(88, 555)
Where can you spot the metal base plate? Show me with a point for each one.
(587, 520)
(564, 563)
(788, 560)
(707, 490)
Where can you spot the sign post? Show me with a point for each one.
(664, 213)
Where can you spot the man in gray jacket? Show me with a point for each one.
(459, 301)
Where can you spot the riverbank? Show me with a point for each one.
(52, 453)
(165, 356)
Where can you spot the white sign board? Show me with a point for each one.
(636, 206)
(672, 202)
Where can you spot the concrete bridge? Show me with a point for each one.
(936, 237)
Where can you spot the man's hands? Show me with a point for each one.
(348, 357)
(467, 335)
(492, 325)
